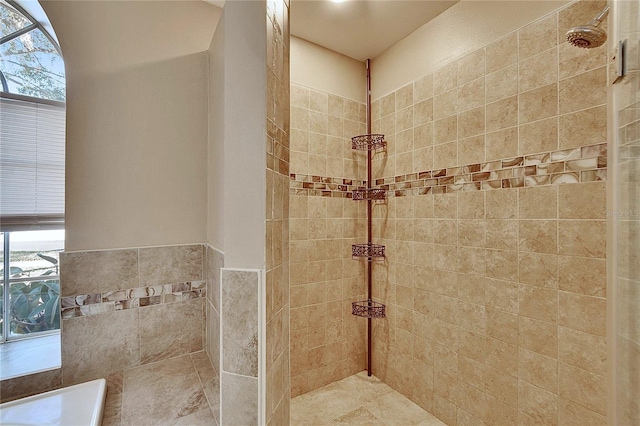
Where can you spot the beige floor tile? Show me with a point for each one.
(209, 380)
(358, 400)
(201, 417)
(323, 405)
(365, 388)
(396, 410)
(304, 413)
(360, 416)
(164, 392)
(432, 421)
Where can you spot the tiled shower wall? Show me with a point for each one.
(322, 125)
(327, 342)
(495, 232)
(277, 374)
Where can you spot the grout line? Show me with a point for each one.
(195, 369)
(133, 248)
(557, 294)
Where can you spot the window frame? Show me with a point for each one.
(35, 25)
(6, 279)
(6, 282)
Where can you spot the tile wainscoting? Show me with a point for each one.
(125, 308)
(240, 352)
(145, 333)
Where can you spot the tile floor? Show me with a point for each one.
(358, 400)
(179, 391)
(184, 391)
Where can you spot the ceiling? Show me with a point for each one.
(361, 29)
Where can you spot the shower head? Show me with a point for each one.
(589, 36)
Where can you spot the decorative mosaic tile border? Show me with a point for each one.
(92, 304)
(585, 164)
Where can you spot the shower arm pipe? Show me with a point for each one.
(369, 219)
(598, 19)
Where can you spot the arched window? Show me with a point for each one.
(30, 59)
(32, 161)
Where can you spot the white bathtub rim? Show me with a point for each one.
(99, 385)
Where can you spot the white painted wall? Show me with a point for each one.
(136, 120)
(245, 132)
(322, 69)
(461, 29)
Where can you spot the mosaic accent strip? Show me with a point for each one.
(92, 304)
(585, 164)
(324, 186)
(378, 194)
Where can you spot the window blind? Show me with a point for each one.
(32, 147)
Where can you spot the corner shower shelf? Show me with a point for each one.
(369, 194)
(370, 251)
(368, 142)
(368, 309)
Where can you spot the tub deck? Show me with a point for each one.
(80, 404)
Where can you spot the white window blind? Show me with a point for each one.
(32, 146)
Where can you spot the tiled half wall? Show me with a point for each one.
(240, 315)
(151, 298)
(495, 232)
(122, 308)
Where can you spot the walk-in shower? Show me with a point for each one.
(491, 219)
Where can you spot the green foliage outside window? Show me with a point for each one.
(34, 305)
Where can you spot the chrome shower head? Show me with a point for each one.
(589, 36)
(586, 36)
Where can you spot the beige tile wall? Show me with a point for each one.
(322, 125)
(498, 301)
(150, 298)
(327, 342)
(278, 384)
(32, 384)
(496, 298)
(153, 303)
(240, 346)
